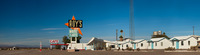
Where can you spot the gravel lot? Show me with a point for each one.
(59, 52)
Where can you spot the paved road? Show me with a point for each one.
(59, 52)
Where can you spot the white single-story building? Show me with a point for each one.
(198, 39)
(91, 45)
(183, 42)
(119, 44)
(178, 42)
(142, 44)
(79, 46)
(159, 43)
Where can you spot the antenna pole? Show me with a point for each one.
(116, 35)
(131, 21)
(193, 30)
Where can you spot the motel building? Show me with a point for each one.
(198, 39)
(93, 44)
(159, 43)
(183, 42)
(142, 44)
(177, 42)
(126, 43)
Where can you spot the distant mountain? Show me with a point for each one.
(24, 46)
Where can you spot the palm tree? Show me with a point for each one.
(121, 37)
(66, 40)
(78, 39)
(121, 31)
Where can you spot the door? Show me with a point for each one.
(85, 48)
(151, 45)
(118, 46)
(134, 46)
(177, 44)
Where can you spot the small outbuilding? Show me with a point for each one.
(126, 43)
(142, 44)
(159, 43)
(183, 42)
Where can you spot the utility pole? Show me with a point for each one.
(124, 34)
(193, 30)
(116, 35)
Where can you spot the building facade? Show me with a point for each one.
(183, 42)
(177, 42)
(142, 44)
(180, 42)
(159, 43)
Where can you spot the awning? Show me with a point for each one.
(59, 44)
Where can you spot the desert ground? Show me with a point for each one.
(89, 52)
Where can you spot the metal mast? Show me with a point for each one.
(131, 21)
(193, 29)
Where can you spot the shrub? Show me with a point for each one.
(138, 49)
(108, 48)
(58, 47)
(122, 49)
(105, 48)
(118, 49)
(194, 48)
(170, 48)
(128, 48)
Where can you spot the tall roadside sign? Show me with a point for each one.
(73, 34)
(74, 30)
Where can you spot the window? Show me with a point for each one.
(119, 45)
(69, 47)
(141, 44)
(112, 46)
(155, 43)
(73, 38)
(172, 43)
(182, 43)
(161, 43)
(188, 42)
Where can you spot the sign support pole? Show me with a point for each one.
(51, 46)
(40, 46)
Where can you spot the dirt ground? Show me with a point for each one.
(64, 52)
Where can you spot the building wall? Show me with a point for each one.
(110, 44)
(193, 42)
(121, 46)
(79, 46)
(139, 45)
(166, 43)
(198, 39)
(125, 45)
